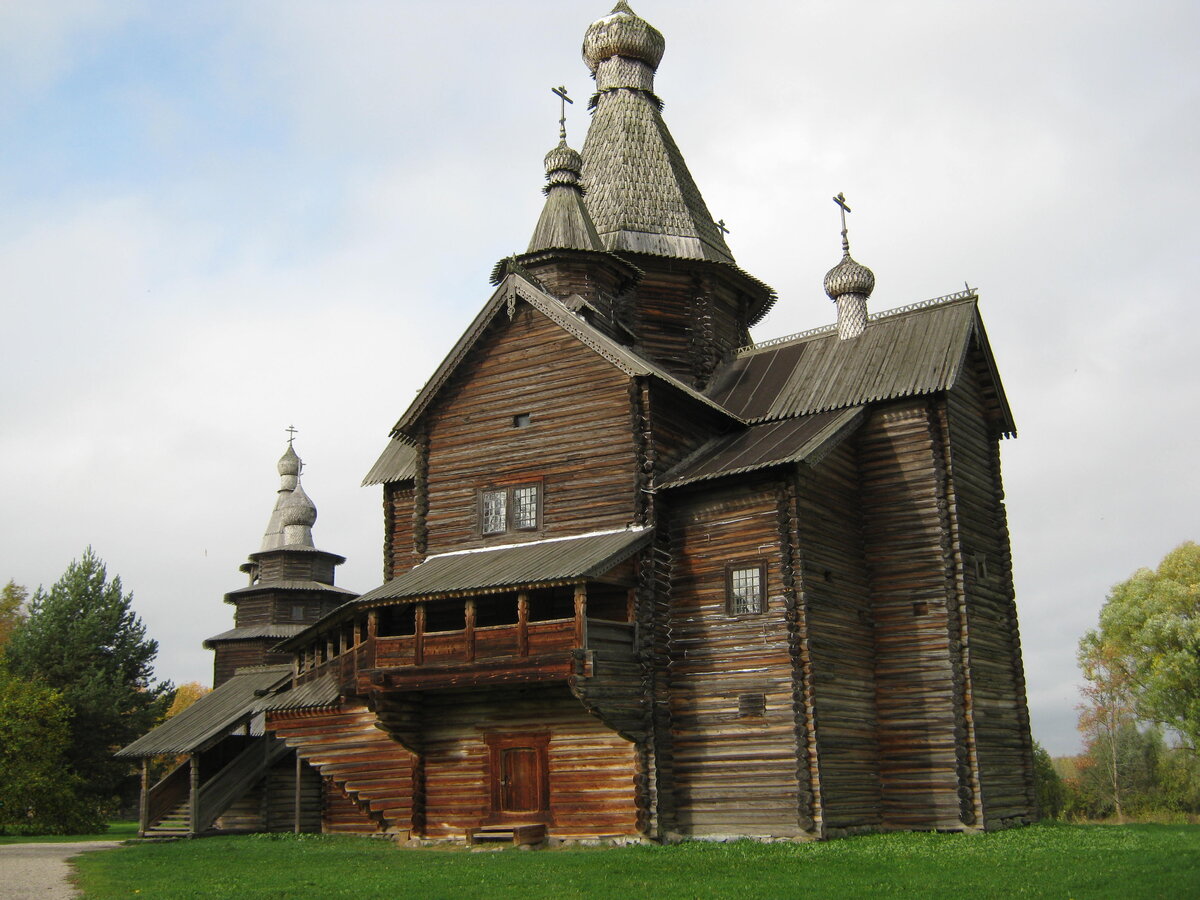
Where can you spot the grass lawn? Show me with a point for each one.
(1063, 861)
(117, 831)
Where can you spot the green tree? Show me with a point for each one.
(12, 609)
(1051, 793)
(1151, 625)
(83, 639)
(38, 794)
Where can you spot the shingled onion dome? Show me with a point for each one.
(294, 513)
(623, 50)
(849, 285)
(564, 223)
(297, 515)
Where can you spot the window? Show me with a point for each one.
(495, 512)
(522, 420)
(745, 589)
(516, 508)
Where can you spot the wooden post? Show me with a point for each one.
(581, 616)
(523, 623)
(469, 631)
(419, 636)
(144, 802)
(298, 798)
(372, 633)
(193, 794)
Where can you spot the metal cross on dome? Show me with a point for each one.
(291, 430)
(561, 90)
(840, 200)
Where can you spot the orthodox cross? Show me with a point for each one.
(721, 225)
(840, 200)
(291, 430)
(561, 90)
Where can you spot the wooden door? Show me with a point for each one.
(519, 778)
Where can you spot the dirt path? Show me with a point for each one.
(40, 871)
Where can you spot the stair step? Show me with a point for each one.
(507, 834)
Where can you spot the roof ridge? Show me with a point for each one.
(945, 300)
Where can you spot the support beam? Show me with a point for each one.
(144, 801)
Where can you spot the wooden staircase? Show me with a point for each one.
(175, 823)
(368, 766)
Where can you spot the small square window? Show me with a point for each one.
(495, 512)
(522, 420)
(297, 613)
(745, 590)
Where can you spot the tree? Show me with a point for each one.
(185, 695)
(12, 609)
(1051, 793)
(1105, 715)
(1151, 624)
(83, 639)
(37, 793)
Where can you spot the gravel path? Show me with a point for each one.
(40, 871)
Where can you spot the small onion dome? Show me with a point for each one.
(289, 463)
(622, 33)
(849, 277)
(297, 509)
(563, 165)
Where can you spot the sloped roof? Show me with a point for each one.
(537, 562)
(319, 692)
(254, 631)
(397, 462)
(805, 438)
(914, 350)
(513, 288)
(288, 584)
(640, 194)
(233, 702)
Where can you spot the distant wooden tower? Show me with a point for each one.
(291, 583)
(647, 579)
(234, 776)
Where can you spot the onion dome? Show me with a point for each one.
(297, 509)
(289, 463)
(622, 33)
(563, 166)
(849, 277)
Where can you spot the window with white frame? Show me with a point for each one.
(745, 587)
(515, 508)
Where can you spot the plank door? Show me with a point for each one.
(519, 778)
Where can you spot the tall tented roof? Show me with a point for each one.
(640, 194)
(914, 350)
(564, 223)
(232, 704)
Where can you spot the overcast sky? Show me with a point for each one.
(218, 219)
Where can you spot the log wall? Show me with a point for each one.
(732, 716)
(907, 544)
(841, 641)
(399, 548)
(996, 677)
(578, 443)
(593, 772)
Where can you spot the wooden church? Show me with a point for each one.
(645, 578)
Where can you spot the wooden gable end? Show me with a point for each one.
(529, 404)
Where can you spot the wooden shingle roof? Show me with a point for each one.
(640, 194)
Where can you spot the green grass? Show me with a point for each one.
(117, 831)
(1061, 861)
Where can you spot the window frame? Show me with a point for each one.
(759, 565)
(509, 493)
